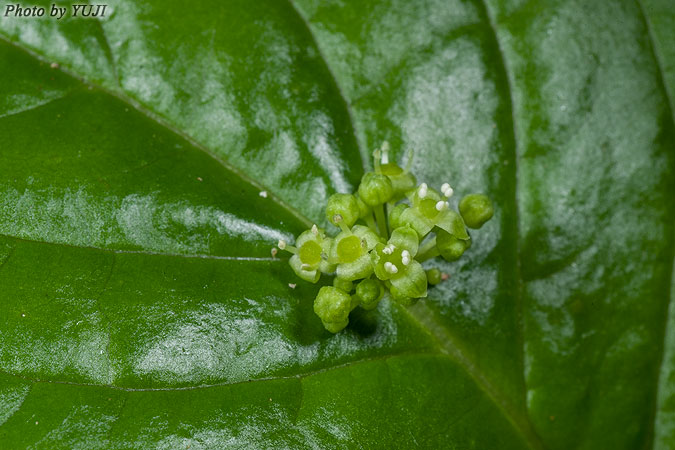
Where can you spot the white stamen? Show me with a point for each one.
(281, 244)
(389, 249)
(405, 257)
(385, 152)
(305, 267)
(292, 285)
(315, 230)
(337, 218)
(274, 252)
(389, 267)
(263, 194)
(447, 190)
(422, 192)
(442, 206)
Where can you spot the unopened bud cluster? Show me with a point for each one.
(387, 229)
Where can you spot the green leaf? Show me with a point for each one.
(139, 303)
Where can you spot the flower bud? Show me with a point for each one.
(375, 189)
(343, 285)
(450, 246)
(343, 205)
(434, 276)
(395, 215)
(476, 209)
(364, 209)
(333, 305)
(370, 292)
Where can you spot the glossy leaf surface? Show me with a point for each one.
(139, 305)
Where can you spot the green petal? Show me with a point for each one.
(452, 222)
(365, 233)
(395, 215)
(401, 298)
(412, 282)
(311, 275)
(405, 238)
(361, 268)
(420, 223)
(307, 236)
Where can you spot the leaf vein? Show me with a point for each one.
(147, 111)
(300, 375)
(147, 252)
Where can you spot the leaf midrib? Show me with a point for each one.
(447, 343)
(649, 442)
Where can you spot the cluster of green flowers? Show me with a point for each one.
(388, 228)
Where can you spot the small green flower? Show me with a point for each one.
(349, 252)
(430, 210)
(310, 252)
(333, 306)
(402, 180)
(394, 262)
(367, 257)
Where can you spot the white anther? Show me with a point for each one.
(389, 267)
(447, 190)
(337, 218)
(292, 285)
(263, 194)
(315, 230)
(442, 206)
(389, 249)
(281, 244)
(405, 257)
(274, 252)
(422, 192)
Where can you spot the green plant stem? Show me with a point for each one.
(428, 250)
(390, 206)
(381, 220)
(370, 221)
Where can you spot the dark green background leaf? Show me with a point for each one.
(139, 307)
